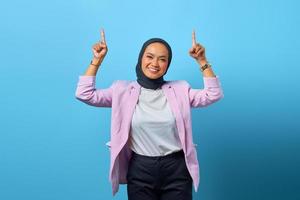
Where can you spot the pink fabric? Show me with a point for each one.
(122, 97)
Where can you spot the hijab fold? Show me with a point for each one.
(142, 79)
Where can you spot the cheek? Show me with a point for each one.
(164, 66)
(144, 67)
(145, 62)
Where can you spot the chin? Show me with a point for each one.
(153, 76)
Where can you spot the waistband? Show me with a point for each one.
(171, 155)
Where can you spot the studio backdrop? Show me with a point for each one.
(52, 146)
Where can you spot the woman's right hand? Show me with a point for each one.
(100, 48)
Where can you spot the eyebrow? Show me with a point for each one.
(153, 55)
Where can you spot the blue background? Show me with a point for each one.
(53, 146)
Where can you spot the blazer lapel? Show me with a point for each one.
(173, 102)
(134, 91)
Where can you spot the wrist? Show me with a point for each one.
(96, 61)
(202, 62)
(204, 66)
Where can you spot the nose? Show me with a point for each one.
(155, 62)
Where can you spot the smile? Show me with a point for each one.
(153, 69)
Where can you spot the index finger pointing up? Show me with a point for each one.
(102, 36)
(193, 38)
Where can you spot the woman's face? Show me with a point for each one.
(155, 60)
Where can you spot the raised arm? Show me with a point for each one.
(86, 91)
(212, 91)
(99, 50)
(197, 51)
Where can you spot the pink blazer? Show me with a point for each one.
(122, 96)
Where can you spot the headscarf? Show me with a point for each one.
(142, 79)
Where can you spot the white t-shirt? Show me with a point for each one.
(153, 126)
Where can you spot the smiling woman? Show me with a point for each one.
(153, 153)
(155, 60)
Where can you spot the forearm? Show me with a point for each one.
(208, 72)
(93, 68)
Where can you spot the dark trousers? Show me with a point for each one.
(159, 178)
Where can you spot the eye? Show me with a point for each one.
(149, 56)
(164, 60)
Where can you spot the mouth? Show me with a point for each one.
(153, 69)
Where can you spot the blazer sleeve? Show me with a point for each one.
(211, 93)
(87, 93)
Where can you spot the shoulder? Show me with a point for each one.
(122, 84)
(178, 83)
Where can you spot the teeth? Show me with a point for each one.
(152, 69)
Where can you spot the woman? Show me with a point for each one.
(152, 149)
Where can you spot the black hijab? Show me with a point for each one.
(142, 79)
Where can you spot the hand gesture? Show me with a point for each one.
(100, 48)
(197, 51)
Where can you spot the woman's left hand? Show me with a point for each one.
(197, 51)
